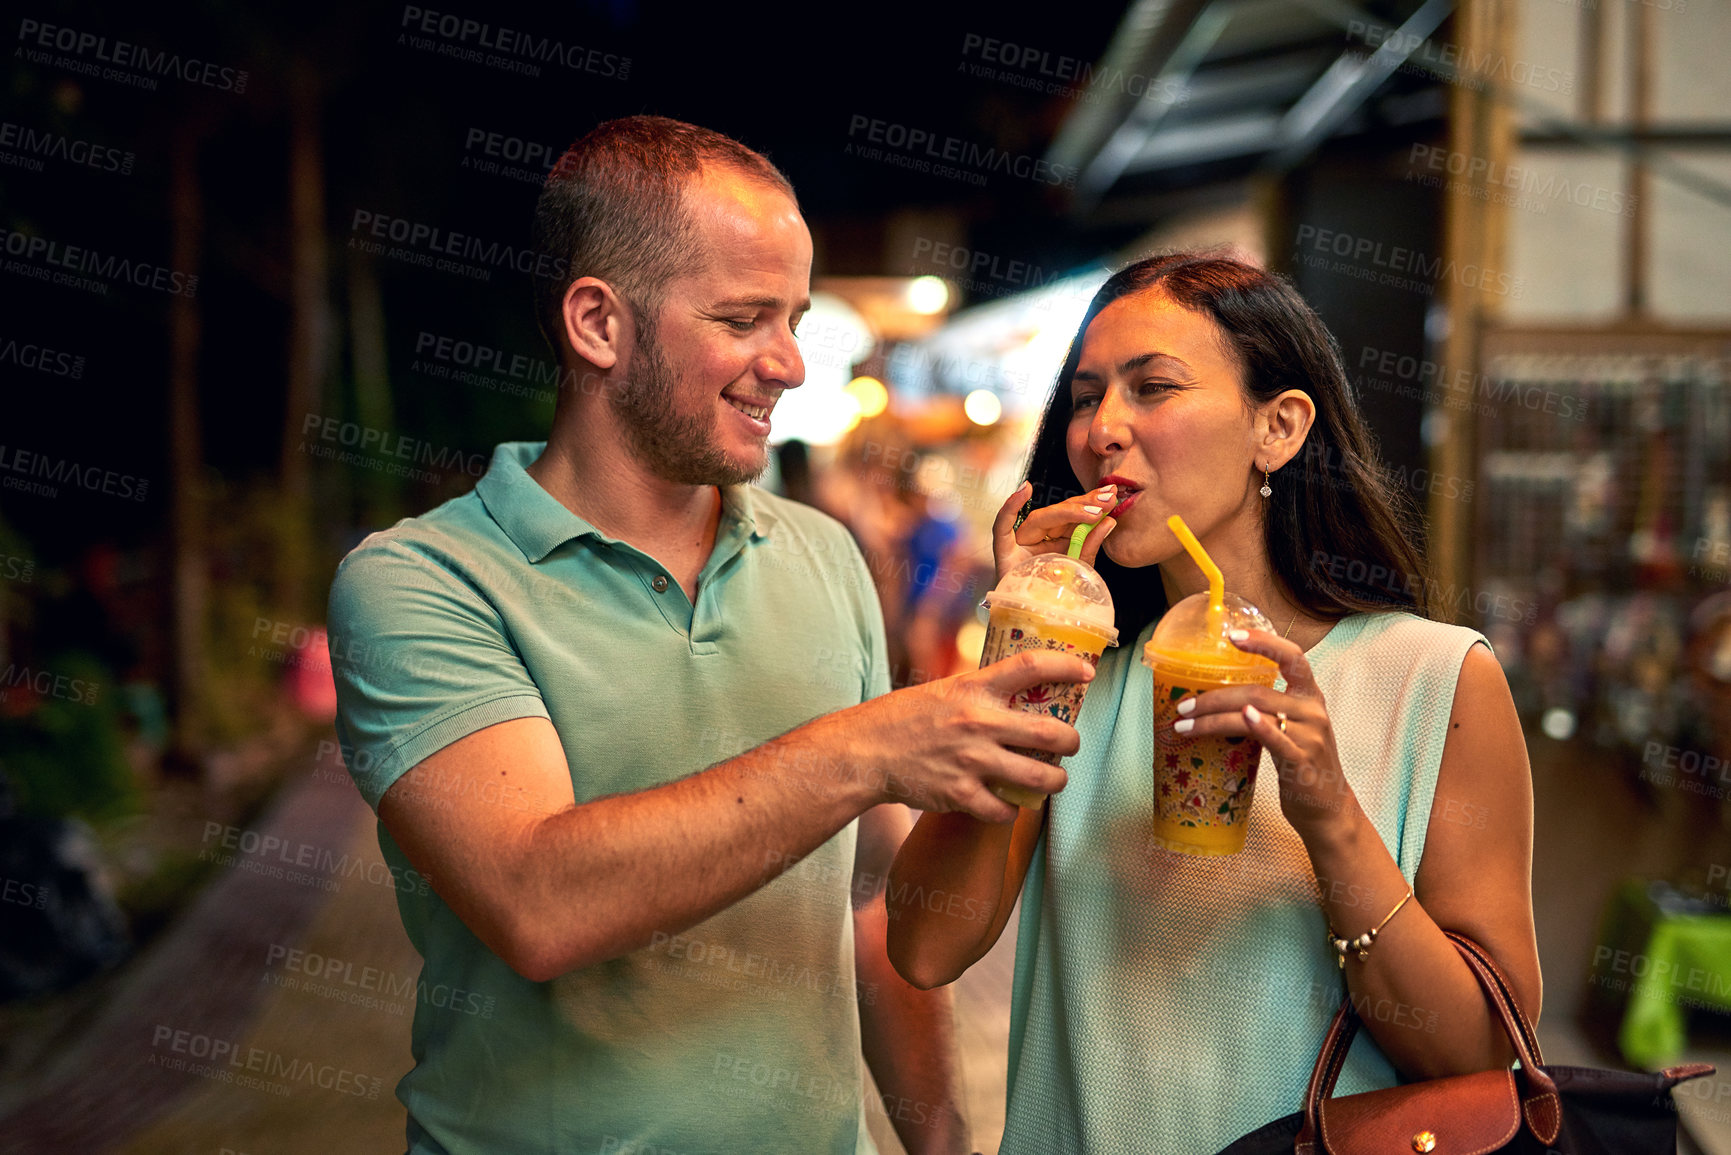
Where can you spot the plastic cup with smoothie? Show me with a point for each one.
(1203, 786)
(1050, 602)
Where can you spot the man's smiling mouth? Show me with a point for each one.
(760, 412)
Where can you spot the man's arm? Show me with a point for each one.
(551, 886)
(908, 1035)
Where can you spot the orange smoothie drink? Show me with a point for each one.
(1050, 602)
(1203, 787)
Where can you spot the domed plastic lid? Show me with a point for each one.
(1063, 590)
(1185, 635)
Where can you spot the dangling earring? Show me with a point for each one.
(1266, 491)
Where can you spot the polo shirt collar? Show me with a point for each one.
(537, 523)
(743, 504)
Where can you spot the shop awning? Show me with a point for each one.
(1233, 85)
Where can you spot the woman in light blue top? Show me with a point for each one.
(1171, 1003)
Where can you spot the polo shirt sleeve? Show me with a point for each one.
(871, 619)
(421, 660)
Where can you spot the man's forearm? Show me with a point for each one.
(551, 886)
(598, 880)
(909, 1040)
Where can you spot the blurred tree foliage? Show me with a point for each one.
(65, 751)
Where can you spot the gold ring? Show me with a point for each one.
(1282, 718)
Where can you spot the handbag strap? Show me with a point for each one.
(1329, 1061)
(1540, 1106)
(1483, 962)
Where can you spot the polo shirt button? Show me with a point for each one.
(660, 583)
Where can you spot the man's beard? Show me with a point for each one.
(676, 447)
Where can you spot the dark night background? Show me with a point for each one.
(391, 125)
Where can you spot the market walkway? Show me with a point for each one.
(153, 1071)
(305, 974)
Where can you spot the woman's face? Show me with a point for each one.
(1160, 410)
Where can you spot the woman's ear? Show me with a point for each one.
(595, 321)
(1285, 424)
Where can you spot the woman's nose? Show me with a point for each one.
(1109, 432)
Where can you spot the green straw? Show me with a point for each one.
(1076, 536)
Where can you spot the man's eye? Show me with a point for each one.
(740, 326)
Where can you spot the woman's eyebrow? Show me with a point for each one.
(1125, 368)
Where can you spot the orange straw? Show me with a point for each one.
(1216, 580)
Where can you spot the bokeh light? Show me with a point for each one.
(983, 407)
(928, 295)
(873, 396)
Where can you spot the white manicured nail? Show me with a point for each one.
(1184, 726)
(1239, 635)
(1252, 713)
(1186, 706)
(1090, 509)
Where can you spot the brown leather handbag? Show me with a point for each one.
(1536, 1110)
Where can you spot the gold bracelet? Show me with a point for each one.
(1363, 942)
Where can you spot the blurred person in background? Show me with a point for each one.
(947, 576)
(623, 710)
(929, 568)
(1174, 1003)
(863, 491)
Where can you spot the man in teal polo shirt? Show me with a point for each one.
(623, 710)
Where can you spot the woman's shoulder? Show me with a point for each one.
(1406, 624)
(1400, 637)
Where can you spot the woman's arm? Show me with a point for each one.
(1414, 994)
(953, 884)
(951, 891)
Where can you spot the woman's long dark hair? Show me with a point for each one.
(1339, 537)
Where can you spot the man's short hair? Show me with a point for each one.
(613, 209)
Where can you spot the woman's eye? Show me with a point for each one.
(1086, 401)
(1155, 386)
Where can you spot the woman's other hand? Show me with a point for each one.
(1294, 728)
(1048, 530)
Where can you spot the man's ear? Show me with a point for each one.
(596, 322)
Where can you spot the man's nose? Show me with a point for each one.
(782, 362)
(1109, 432)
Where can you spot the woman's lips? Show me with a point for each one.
(1128, 488)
